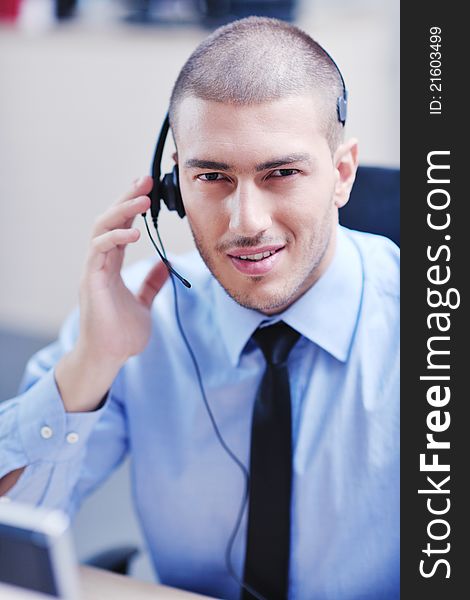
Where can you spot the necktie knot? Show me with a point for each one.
(276, 341)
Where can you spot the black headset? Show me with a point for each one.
(168, 188)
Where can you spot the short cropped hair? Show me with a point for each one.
(256, 60)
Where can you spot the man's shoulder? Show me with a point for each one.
(380, 259)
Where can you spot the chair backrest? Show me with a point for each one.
(374, 205)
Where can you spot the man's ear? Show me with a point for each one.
(345, 161)
(174, 156)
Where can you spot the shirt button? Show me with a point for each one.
(72, 437)
(46, 432)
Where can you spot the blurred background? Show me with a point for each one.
(84, 87)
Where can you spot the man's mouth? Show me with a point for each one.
(257, 262)
(258, 256)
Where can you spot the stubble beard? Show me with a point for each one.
(302, 278)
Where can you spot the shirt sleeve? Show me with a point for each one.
(66, 455)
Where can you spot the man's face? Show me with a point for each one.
(260, 189)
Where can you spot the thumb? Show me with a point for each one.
(152, 284)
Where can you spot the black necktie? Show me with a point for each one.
(268, 536)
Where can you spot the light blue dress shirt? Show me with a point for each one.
(345, 406)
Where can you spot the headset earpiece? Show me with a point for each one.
(169, 192)
(168, 188)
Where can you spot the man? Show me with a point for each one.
(263, 170)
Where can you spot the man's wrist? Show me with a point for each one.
(83, 381)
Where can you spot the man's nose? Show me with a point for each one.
(249, 211)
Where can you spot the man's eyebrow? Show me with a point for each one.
(200, 163)
(284, 160)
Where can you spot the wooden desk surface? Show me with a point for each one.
(97, 584)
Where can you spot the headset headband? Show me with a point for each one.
(157, 168)
(341, 101)
(341, 105)
(167, 188)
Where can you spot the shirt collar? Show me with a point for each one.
(326, 314)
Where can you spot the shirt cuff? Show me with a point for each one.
(46, 430)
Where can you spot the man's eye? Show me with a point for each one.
(284, 172)
(210, 177)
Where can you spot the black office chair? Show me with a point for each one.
(374, 205)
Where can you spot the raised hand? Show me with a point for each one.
(114, 323)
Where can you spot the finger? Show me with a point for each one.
(120, 215)
(108, 241)
(152, 284)
(140, 187)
